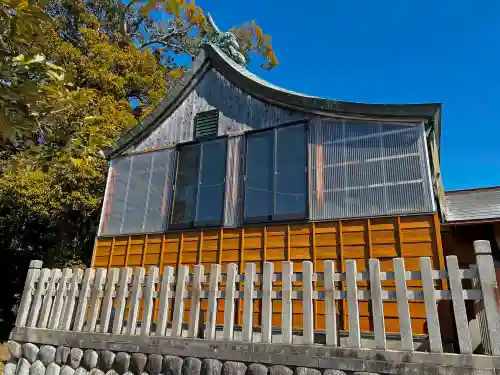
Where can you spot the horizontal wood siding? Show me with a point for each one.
(409, 237)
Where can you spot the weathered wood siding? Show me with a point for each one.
(239, 112)
(384, 238)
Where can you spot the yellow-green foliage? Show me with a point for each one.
(72, 106)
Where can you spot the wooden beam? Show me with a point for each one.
(200, 248)
(179, 254)
(221, 244)
(399, 239)
(439, 247)
(127, 250)
(287, 253)
(342, 269)
(110, 262)
(144, 250)
(315, 268)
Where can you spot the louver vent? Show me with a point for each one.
(206, 124)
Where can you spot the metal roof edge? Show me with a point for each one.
(266, 91)
(212, 56)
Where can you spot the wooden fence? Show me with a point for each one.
(131, 302)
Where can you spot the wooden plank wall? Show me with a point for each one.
(410, 237)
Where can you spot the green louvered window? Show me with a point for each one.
(206, 124)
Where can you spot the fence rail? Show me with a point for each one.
(124, 301)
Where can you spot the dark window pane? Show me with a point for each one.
(291, 171)
(187, 185)
(212, 177)
(259, 184)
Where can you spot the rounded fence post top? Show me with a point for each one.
(482, 247)
(36, 264)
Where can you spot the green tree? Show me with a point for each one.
(52, 175)
(24, 70)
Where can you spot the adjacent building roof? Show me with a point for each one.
(212, 56)
(472, 205)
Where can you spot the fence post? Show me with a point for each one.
(29, 287)
(491, 298)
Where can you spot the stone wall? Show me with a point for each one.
(31, 359)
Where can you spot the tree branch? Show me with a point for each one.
(167, 44)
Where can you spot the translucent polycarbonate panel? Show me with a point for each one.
(368, 169)
(291, 170)
(186, 187)
(116, 191)
(160, 190)
(137, 193)
(209, 210)
(259, 176)
(234, 181)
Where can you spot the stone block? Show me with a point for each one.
(10, 368)
(191, 366)
(172, 365)
(75, 357)
(90, 358)
(15, 349)
(333, 372)
(30, 352)
(67, 370)
(5, 354)
(154, 365)
(234, 368)
(62, 355)
(138, 363)
(257, 369)
(211, 367)
(106, 360)
(23, 367)
(81, 371)
(96, 371)
(53, 369)
(37, 368)
(280, 370)
(306, 371)
(47, 354)
(122, 362)
(112, 372)
(364, 373)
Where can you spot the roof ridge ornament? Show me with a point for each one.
(227, 43)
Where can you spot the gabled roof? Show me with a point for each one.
(481, 204)
(212, 56)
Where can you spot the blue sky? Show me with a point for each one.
(396, 51)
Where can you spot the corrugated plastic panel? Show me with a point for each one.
(138, 195)
(368, 169)
(234, 178)
(473, 204)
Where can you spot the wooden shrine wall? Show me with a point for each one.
(409, 237)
